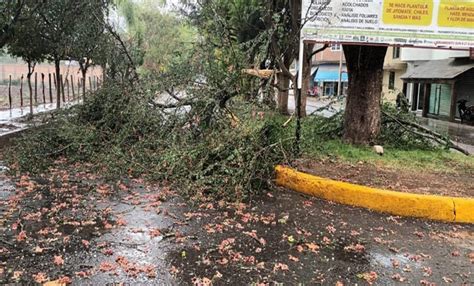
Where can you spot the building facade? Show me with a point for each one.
(436, 80)
(329, 66)
(394, 68)
(432, 80)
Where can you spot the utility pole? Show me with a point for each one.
(299, 76)
(339, 83)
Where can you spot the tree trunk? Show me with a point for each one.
(268, 97)
(58, 83)
(84, 66)
(362, 115)
(31, 68)
(283, 86)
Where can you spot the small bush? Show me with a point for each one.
(393, 133)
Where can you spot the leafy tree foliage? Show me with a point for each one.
(265, 32)
(54, 31)
(28, 45)
(12, 13)
(161, 37)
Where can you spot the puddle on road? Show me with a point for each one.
(6, 187)
(141, 240)
(385, 260)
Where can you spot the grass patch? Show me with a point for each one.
(436, 160)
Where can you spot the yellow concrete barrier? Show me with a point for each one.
(403, 204)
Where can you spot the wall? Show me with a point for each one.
(391, 95)
(392, 65)
(416, 54)
(328, 55)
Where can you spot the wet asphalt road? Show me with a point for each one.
(282, 237)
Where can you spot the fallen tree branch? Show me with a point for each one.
(171, 105)
(427, 133)
(172, 94)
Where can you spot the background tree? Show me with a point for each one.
(160, 36)
(58, 24)
(28, 45)
(165, 38)
(90, 42)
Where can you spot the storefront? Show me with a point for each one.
(435, 87)
(326, 78)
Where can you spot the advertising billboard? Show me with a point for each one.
(423, 23)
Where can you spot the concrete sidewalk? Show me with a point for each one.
(10, 118)
(462, 133)
(313, 104)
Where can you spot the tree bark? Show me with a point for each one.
(283, 87)
(363, 107)
(58, 82)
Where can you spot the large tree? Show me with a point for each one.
(363, 107)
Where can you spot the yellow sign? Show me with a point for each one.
(421, 23)
(408, 12)
(459, 13)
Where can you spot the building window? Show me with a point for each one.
(335, 47)
(396, 52)
(391, 81)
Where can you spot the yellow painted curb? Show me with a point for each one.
(440, 208)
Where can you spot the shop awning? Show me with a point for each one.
(440, 69)
(330, 74)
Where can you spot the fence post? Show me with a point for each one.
(55, 83)
(72, 87)
(90, 84)
(79, 88)
(83, 88)
(30, 93)
(50, 89)
(61, 86)
(42, 85)
(21, 91)
(10, 91)
(36, 88)
(67, 87)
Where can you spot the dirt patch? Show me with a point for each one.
(423, 182)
